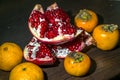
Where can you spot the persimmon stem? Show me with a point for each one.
(6, 49)
(24, 69)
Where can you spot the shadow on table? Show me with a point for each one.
(92, 68)
(49, 66)
(45, 76)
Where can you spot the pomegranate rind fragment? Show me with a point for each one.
(33, 53)
(76, 45)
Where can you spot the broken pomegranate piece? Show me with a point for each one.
(38, 53)
(76, 45)
(55, 14)
(52, 26)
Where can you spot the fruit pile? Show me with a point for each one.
(53, 35)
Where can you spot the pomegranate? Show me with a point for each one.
(38, 53)
(78, 44)
(53, 36)
(52, 26)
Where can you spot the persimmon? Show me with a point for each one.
(10, 55)
(26, 71)
(86, 19)
(77, 63)
(106, 36)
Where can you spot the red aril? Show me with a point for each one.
(55, 14)
(52, 26)
(38, 53)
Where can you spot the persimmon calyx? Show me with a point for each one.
(76, 56)
(84, 15)
(109, 27)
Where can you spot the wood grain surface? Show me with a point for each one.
(13, 27)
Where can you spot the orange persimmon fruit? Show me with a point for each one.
(86, 19)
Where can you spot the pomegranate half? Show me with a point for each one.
(52, 26)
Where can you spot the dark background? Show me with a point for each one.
(13, 28)
(14, 15)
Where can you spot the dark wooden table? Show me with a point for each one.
(13, 27)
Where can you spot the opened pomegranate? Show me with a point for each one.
(52, 26)
(38, 53)
(77, 45)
